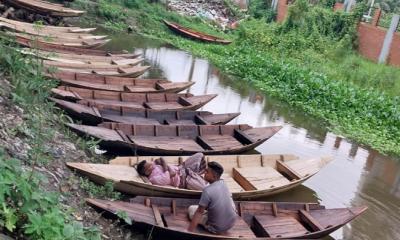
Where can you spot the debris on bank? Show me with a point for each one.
(214, 10)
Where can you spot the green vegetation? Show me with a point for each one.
(308, 61)
(26, 208)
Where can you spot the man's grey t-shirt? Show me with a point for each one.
(217, 199)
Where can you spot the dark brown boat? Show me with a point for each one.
(131, 71)
(48, 46)
(119, 84)
(46, 8)
(116, 100)
(94, 116)
(194, 34)
(177, 139)
(168, 218)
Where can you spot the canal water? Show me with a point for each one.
(357, 176)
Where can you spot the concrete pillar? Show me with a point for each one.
(388, 39)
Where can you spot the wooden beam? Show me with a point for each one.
(157, 215)
(243, 137)
(203, 143)
(173, 207)
(274, 209)
(310, 220)
(242, 181)
(287, 171)
(200, 120)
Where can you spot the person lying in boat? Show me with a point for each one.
(216, 211)
(187, 175)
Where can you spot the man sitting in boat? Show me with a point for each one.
(216, 211)
(187, 175)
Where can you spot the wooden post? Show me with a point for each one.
(376, 17)
(388, 39)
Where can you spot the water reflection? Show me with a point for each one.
(356, 177)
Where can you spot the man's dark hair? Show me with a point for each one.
(216, 168)
(140, 168)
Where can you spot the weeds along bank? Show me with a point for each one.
(31, 206)
(308, 61)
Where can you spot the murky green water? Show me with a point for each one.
(357, 176)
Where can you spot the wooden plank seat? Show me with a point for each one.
(259, 178)
(280, 226)
(219, 142)
(181, 222)
(179, 122)
(231, 183)
(139, 89)
(162, 105)
(168, 143)
(96, 103)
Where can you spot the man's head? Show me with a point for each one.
(144, 168)
(213, 172)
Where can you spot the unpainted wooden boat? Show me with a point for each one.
(119, 71)
(96, 82)
(113, 65)
(177, 139)
(78, 43)
(116, 100)
(48, 33)
(80, 58)
(48, 27)
(46, 8)
(168, 218)
(194, 34)
(94, 116)
(59, 48)
(141, 86)
(247, 176)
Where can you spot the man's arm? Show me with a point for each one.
(162, 163)
(196, 218)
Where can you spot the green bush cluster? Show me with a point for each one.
(27, 209)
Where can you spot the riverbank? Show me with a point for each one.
(319, 74)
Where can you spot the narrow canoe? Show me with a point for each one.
(46, 8)
(43, 32)
(49, 28)
(94, 116)
(194, 34)
(112, 66)
(52, 55)
(177, 139)
(78, 43)
(146, 87)
(247, 176)
(168, 218)
(49, 46)
(119, 71)
(116, 100)
(96, 82)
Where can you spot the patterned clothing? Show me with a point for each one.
(159, 177)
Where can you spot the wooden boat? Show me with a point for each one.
(116, 100)
(112, 66)
(177, 139)
(247, 176)
(94, 116)
(46, 8)
(168, 218)
(118, 71)
(48, 28)
(141, 86)
(59, 48)
(80, 43)
(194, 34)
(43, 32)
(96, 82)
(68, 57)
